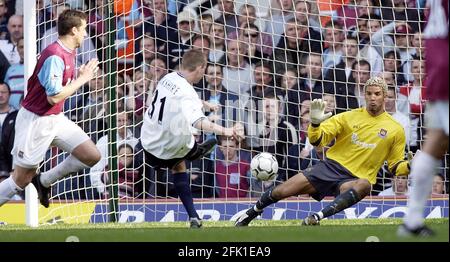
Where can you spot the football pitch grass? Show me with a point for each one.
(341, 230)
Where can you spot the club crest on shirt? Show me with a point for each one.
(382, 133)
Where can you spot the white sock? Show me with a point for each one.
(68, 166)
(320, 214)
(8, 188)
(422, 171)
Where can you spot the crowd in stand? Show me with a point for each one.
(264, 69)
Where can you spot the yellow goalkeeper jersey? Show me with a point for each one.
(363, 142)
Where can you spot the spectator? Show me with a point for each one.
(216, 94)
(162, 26)
(232, 172)
(438, 184)
(399, 187)
(157, 70)
(247, 15)
(403, 39)
(419, 46)
(201, 172)
(237, 74)
(293, 47)
(89, 108)
(369, 51)
(302, 155)
(312, 81)
(250, 35)
(147, 51)
(396, 10)
(391, 108)
(3, 19)
(9, 46)
(227, 16)
(361, 31)
(332, 46)
(15, 78)
(411, 102)
(303, 14)
(338, 77)
(7, 142)
(5, 107)
(277, 17)
(186, 21)
(202, 43)
(331, 103)
(274, 134)
(360, 75)
(217, 37)
(130, 178)
(392, 63)
(348, 15)
(205, 23)
(124, 135)
(290, 96)
(247, 19)
(263, 76)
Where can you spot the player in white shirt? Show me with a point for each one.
(170, 121)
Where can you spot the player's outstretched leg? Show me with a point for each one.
(265, 200)
(43, 181)
(8, 188)
(358, 190)
(203, 149)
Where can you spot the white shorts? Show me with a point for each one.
(436, 115)
(35, 134)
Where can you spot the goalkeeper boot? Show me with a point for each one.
(43, 192)
(247, 217)
(422, 231)
(203, 149)
(311, 220)
(195, 222)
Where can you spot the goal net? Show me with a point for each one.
(267, 61)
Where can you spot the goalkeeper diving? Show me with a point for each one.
(364, 139)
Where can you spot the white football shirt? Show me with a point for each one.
(167, 131)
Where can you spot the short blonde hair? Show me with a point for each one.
(377, 81)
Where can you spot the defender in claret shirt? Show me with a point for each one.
(364, 139)
(41, 123)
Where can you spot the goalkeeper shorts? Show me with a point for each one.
(327, 177)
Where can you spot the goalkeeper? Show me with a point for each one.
(364, 139)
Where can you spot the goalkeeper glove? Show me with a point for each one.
(317, 113)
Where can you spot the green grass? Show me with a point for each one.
(258, 231)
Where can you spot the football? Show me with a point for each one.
(264, 166)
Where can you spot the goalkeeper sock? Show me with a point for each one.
(68, 166)
(181, 181)
(265, 200)
(8, 189)
(341, 202)
(422, 172)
